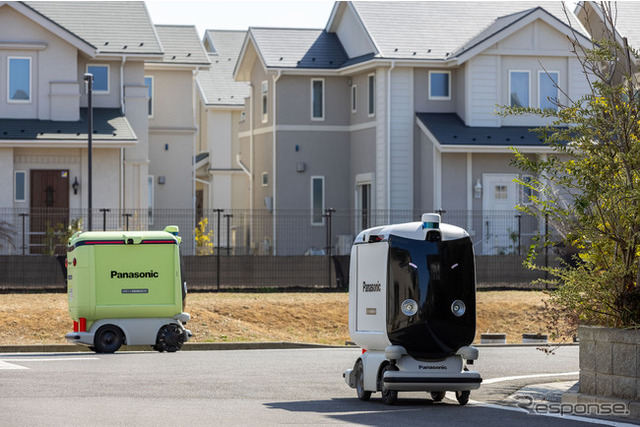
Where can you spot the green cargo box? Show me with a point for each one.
(117, 274)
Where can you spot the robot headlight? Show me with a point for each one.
(458, 308)
(409, 307)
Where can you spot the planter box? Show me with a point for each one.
(610, 362)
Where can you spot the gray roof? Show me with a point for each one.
(181, 45)
(120, 27)
(298, 48)
(449, 129)
(626, 15)
(109, 124)
(217, 84)
(438, 29)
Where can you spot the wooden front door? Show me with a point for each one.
(49, 214)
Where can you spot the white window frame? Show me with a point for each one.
(371, 95)
(15, 186)
(96, 91)
(265, 179)
(321, 118)
(557, 82)
(19, 101)
(354, 98)
(313, 179)
(528, 72)
(440, 98)
(152, 100)
(525, 192)
(265, 101)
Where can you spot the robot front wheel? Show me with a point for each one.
(461, 396)
(359, 374)
(389, 397)
(170, 338)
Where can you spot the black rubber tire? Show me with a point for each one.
(108, 339)
(463, 397)
(437, 396)
(359, 374)
(170, 338)
(389, 397)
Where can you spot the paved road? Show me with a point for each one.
(302, 386)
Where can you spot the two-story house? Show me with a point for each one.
(392, 108)
(46, 48)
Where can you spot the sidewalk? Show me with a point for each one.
(563, 399)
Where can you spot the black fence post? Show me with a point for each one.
(126, 220)
(218, 212)
(24, 241)
(519, 216)
(546, 250)
(104, 218)
(228, 217)
(328, 214)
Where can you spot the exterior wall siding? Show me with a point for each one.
(401, 150)
(483, 90)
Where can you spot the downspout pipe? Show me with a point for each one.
(274, 155)
(251, 163)
(122, 110)
(194, 96)
(393, 65)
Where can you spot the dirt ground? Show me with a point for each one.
(260, 317)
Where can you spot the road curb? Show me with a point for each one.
(72, 348)
(278, 345)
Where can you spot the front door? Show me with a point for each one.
(499, 198)
(49, 214)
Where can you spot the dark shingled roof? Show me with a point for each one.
(449, 129)
(109, 124)
(299, 48)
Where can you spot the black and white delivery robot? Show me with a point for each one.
(412, 309)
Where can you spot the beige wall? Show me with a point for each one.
(52, 60)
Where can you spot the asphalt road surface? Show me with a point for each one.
(247, 387)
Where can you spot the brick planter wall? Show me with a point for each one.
(610, 362)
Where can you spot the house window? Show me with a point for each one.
(527, 191)
(317, 99)
(500, 192)
(548, 89)
(354, 98)
(519, 88)
(19, 80)
(265, 101)
(372, 94)
(19, 187)
(100, 78)
(440, 85)
(148, 82)
(317, 200)
(265, 179)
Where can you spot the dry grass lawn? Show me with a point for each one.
(296, 317)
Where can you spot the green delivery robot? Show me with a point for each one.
(126, 288)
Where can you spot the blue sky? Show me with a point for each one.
(239, 15)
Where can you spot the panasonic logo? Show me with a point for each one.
(134, 274)
(371, 287)
(440, 367)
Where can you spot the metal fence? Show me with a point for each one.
(242, 248)
(257, 232)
